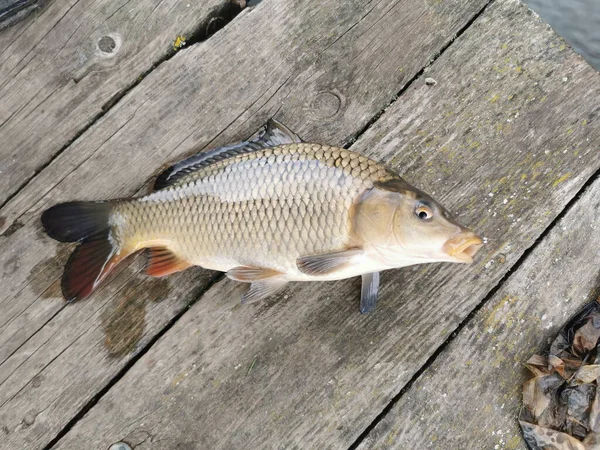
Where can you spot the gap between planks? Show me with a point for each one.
(195, 39)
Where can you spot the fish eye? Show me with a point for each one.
(424, 212)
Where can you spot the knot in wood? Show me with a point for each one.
(36, 381)
(107, 44)
(28, 420)
(326, 104)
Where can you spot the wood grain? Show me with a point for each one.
(305, 370)
(470, 397)
(64, 66)
(325, 71)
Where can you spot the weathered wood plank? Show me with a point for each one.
(305, 370)
(311, 62)
(62, 67)
(470, 396)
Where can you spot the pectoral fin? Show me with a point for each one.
(328, 262)
(369, 292)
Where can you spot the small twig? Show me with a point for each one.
(252, 364)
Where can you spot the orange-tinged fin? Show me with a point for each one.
(328, 262)
(97, 253)
(162, 262)
(250, 274)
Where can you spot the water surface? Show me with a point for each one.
(577, 21)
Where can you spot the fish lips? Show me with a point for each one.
(462, 247)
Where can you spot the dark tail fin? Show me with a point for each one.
(76, 221)
(95, 256)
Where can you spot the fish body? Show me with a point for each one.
(262, 209)
(267, 212)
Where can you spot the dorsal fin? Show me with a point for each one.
(274, 133)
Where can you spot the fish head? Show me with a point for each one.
(407, 226)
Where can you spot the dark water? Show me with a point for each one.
(577, 21)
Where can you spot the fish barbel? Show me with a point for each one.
(266, 212)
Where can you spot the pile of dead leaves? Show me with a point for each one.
(561, 408)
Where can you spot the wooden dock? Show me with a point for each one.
(477, 102)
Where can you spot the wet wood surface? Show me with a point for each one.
(506, 138)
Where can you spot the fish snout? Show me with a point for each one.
(463, 246)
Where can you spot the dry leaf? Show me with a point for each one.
(558, 365)
(534, 398)
(586, 337)
(539, 438)
(587, 374)
(592, 441)
(538, 365)
(578, 399)
(572, 363)
(560, 344)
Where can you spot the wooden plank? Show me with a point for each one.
(472, 392)
(63, 67)
(305, 370)
(326, 71)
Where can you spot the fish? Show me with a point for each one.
(266, 211)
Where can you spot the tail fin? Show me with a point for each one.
(95, 256)
(76, 221)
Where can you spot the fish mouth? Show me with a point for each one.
(463, 246)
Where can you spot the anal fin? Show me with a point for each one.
(369, 292)
(263, 289)
(162, 262)
(265, 282)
